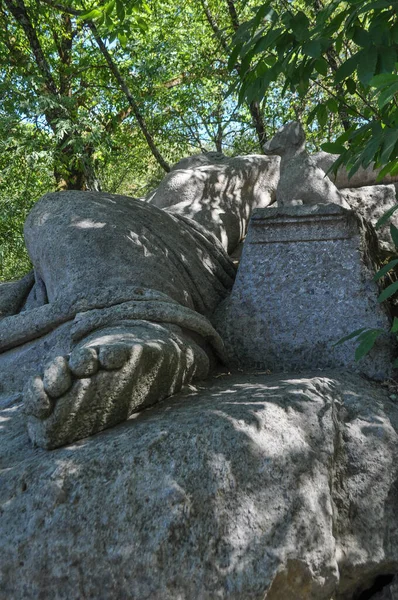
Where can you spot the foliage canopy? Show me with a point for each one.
(108, 94)
(348, 50)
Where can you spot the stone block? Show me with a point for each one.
(305, 280)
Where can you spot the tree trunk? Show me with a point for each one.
(69, 173)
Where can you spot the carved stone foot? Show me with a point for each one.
(111, 374)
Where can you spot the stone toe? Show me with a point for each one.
(83, 362)
(114, 356)
(57, 377)
(36, 401)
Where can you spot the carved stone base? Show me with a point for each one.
(304, 282)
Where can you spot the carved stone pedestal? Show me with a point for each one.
(305, 280)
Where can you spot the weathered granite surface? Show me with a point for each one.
(372, 202)
(304, 281)
(247, 487)
(301, 181)
(219, 192)
(118, 317)
(116, 277)
(363, 177)
(14, 293)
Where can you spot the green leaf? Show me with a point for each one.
(332, 105)
(361, 37)
(333, 147)
(350, 336)
(246, 61)
(313, 48)
(121, 13)
(394, 234)
(384, 172)
(390, 139)
(383, 79)
(322, 115)
(387, 59)
(367, 64)
(338, 19)
(321, 66)
(311, 115)
(370, 150)
(300, 25)
(373, 6)
(91, 15)
(394, 327)
(388, 292)
(234, 56)
(142, 24)
(351, 86)
(347, 68)
(384, 270)
(355, 167)
(339, 44)
(367, 343)
(261, 45)
(122, 39)
(109, 8)
(324, 15)
(387, 95)
(287, 18)
(265, 12)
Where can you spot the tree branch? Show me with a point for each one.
(254, 107)
(216, 30)
(233, 14)
(67, 10)
(18, 10)
(119, 78)
(124, 87)
(118, 119)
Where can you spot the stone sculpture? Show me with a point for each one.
(301, 180)
(276, 487)
(305, 280)
(250, 486)
(218, 192)
(221, 193)
(118, 315)
(361, 178)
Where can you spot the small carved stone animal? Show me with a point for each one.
(301, 180)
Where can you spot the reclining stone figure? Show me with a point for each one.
(118, 317)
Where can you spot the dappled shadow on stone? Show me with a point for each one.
(212, 493)
(381, 583)
(220, 194)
